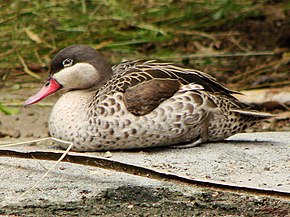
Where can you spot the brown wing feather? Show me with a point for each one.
(145, 97)
(155, 69)
(146, 84)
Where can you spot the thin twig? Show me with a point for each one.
(257, 69)
(26, 69)
(84, 6)
(62, 156)
(272, 84)
(214, 55)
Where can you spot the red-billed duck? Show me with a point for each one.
(138, 104)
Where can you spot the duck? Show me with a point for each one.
(138, 104)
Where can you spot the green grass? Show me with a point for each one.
(198, 33)
(193, 32)
(34, 29)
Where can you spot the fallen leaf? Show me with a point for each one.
(280, 95)
(274, 12)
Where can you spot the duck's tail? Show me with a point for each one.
(254, 115)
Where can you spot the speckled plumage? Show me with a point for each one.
(145, 104)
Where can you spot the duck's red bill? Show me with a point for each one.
(48, 88)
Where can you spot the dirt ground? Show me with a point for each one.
(142, 201)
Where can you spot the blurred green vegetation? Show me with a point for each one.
(33, 30)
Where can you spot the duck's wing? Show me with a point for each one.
(146, 84)
(145, 97)
(135, 72)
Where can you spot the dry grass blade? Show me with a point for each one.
(140, 29)
(257, 70)
(9, 144)
(27, 70)
(244, 79)
(48, 171)
(34, 37)
(223, 54)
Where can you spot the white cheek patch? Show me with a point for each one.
(78, 76)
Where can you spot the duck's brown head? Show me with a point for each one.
(75, 67)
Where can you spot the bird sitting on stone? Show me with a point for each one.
(138, 104)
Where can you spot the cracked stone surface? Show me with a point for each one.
(260, 160)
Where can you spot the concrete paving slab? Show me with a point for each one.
(260, 160)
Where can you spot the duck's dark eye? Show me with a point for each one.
(47, 83)
(67, 62)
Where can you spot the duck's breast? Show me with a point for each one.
(68, 119)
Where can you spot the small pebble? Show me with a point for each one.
(29, 135)
(17, 134)
(108, 154)
(130, 206)
(46, 124)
